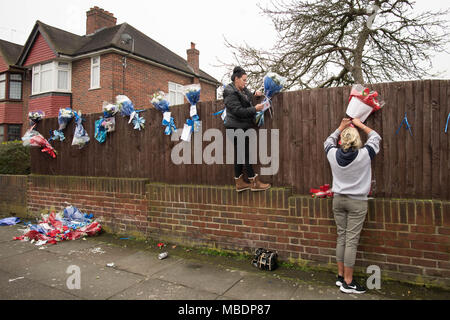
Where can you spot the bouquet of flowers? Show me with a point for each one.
(273, 83)
(324, 191)
(126, 108)
(80, 137)
(109, 109)
(107, 123)
(35, 117)
(160, 102)
(362, 102)
(192, 93)
(64, 117)
(35, 139)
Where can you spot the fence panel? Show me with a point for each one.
(407, 166)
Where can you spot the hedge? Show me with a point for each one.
(14, 158)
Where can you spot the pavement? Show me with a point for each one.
(106, 267)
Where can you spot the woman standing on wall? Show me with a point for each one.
(352, 174)
(240, 114)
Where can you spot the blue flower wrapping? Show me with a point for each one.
(64, 117)
(271, 87)
(162, 105)
(100, 131)
(193, 97)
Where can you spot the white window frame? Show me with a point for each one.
(54, 67)
(3, 80)
(179, 94)
(93, 66)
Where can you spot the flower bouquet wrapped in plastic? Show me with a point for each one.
(109, 109)
(192, 93)
(35, 139)
(80, 137)
(273, 83)
(160, 102)
(35, 117)
(362, 102)
(126, 108)
(107, 123)
(64, 117)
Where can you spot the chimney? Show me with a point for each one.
(97, 18)
(193, 58)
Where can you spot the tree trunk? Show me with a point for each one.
(357, 64)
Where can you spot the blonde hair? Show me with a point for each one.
(350, 139)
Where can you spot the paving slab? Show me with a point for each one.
(12, 248)
(9, 232)
(95, 282)
(145, 263)
(24, 264)
(156, 289)
(252, 287)
(200, 276)
(22, 288)
(98, 253)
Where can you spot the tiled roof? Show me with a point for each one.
(10, 51)
(63, 42)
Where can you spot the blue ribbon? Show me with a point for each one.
(405, 121)
(446, 125)
(194, 123)
(259, 118)
(218, 112)
(170, 126)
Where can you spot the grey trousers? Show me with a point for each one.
(349, 215)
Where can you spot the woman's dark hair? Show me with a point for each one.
(237, 72)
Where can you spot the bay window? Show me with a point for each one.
(15, 86)
(52, 76)
(2, 86)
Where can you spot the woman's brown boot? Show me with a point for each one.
(241, 185)
(257, 185)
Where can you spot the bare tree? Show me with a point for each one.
(341, 42)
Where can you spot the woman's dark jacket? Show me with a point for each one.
(240, 111)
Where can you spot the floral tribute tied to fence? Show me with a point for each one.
(33, 138)
(161, 103)
(192, 93)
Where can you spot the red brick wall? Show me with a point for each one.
(39, 52)
(49, 103)
(141, 81)
(11, 112)
(120, 204)
(408, 239)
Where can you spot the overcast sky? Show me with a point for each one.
(173, 23)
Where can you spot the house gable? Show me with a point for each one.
(40, 51)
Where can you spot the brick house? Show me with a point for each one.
(11, 99)
(61, 69)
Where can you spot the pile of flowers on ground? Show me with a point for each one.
(69, 224)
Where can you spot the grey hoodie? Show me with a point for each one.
(352, 172)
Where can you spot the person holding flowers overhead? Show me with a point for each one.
(240, 114)
(352, 175)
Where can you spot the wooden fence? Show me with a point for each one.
(407, 166)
